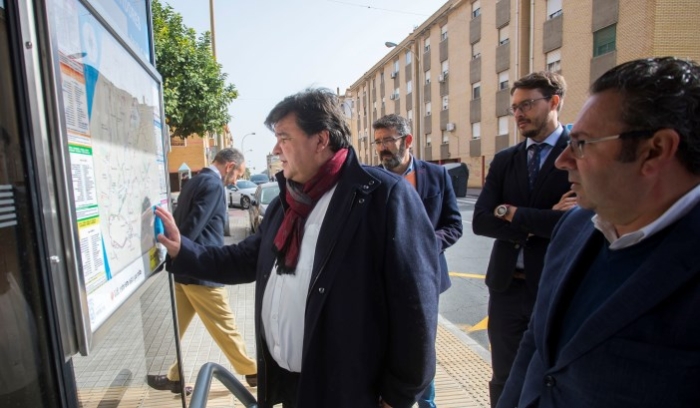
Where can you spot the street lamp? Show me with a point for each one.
(243, 140)
(417, 116)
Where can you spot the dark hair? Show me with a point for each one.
(229, 155)
(393, 121)
(316, 110)
(658, 93)
(549, 83)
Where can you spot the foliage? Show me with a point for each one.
(195, 92)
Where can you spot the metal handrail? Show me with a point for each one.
(200, 395)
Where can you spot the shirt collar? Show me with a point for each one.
(680, 208)
(215, 170)
(551, 140)
(410, 167)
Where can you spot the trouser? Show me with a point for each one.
(427, 398)
(509, 315)
(211, 305)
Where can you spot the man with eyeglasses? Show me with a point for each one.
(523, 198)
(617, 320)
(393, 139)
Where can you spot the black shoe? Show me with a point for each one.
(252, 380)
(162, 383)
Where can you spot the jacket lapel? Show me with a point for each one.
(672, 264)
(520, 159)
(420, 179)
(580, 240)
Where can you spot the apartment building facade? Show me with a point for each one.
(452, 76)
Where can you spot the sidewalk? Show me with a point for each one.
(463, 367)
(141, 342)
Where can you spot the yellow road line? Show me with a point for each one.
(467, 275)
(482, 325)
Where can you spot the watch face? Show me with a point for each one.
(501, 210)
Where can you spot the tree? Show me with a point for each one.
(195, 92)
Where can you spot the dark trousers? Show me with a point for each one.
(284, 386)
(509, 315)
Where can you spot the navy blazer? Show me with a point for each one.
(533, 223)
(372, 305)
(640, 349)
(434, 187)
(200, 215)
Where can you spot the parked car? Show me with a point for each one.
(262, 197)
(240, 194)
(259, 178)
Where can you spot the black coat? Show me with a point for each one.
(371, 310)
(533, 223)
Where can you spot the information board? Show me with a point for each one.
(115, 140)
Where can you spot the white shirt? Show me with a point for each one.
(284, 300)
(673, 214)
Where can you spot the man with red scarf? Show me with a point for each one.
(346, 270)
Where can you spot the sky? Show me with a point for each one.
(274, 48)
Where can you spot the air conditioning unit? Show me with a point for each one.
(450, 127)
(441, 77)
(393, 74)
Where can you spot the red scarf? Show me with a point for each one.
(301, 199)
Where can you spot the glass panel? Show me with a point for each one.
(25, 363)
(604, 40)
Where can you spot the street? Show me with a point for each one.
(465, 303)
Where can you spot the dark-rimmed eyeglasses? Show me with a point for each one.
(387, 141)
(576, 145)
(525, 106)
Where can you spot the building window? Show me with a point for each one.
(445, 67)
(476, 9)
(476, 90)
(476, 50)
(396, 66)
(503, 125)
(427, 77)
(396, 93)
(476, 130)
(503, 36)
(553, 8)
(428, 140)
(554, 61)
(443, 33)
(604, 40)
(409, 87)
(445, 102)
(409, 57)
(409, 116)
(383, 102)
(381, 78)
(426, 45)
(428, 108)
(445, 137)
(503, 80)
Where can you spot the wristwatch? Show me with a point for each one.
(501, 211)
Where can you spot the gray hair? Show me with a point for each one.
(229, 155)
(393, 121)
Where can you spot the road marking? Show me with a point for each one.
(467, 275)
(482, 325)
